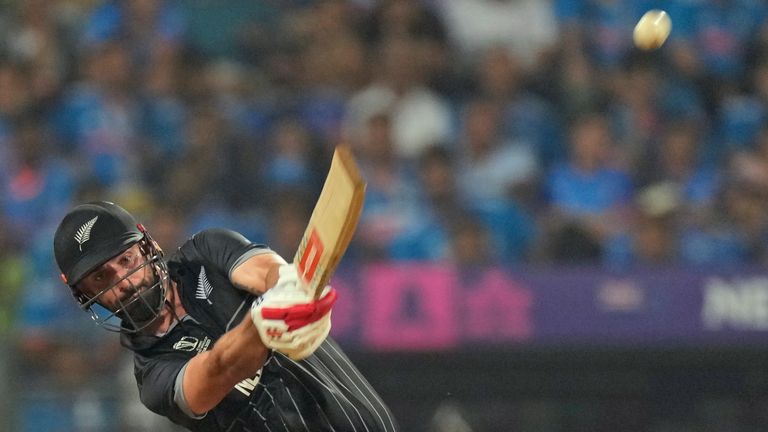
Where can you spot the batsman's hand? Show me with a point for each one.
(288, 318)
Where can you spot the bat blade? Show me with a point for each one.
(332, 223)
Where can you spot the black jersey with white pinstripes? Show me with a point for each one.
(324, 392)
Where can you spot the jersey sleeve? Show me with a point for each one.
(222, 249)
(158, 381)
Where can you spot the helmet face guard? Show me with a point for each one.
(144, 303)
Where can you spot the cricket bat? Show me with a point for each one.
(332, 223)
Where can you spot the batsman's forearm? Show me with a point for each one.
(258, 274)
(211, 375)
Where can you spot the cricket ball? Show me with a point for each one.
(652, 30)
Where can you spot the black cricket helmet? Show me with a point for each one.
(94, 233)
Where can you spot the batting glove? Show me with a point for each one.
(288, 318)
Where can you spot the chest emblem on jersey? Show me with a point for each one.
(191, 343)
(204, 288)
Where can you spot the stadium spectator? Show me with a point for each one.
(419, 116)
(587, 195)
(527, 28)
(525, 115)
(651, 237)
(391, 202)
(37, 185)
(491, 165)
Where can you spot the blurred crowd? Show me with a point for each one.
(505, 132)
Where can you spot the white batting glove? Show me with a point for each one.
(289, 320)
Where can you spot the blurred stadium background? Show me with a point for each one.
(561, 233)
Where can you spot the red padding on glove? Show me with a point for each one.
(298, 316)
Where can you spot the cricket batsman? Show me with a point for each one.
(223, 335)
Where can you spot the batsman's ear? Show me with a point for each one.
(78, 294)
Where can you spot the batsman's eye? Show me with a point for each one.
(127, 261)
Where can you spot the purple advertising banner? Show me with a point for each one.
(433, 307)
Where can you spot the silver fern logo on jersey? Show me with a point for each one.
(204, 288)
(83, 233)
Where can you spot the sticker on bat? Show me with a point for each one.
(311, 257)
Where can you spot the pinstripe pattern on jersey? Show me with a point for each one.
(321, 393)
(336, 390)
(314, 398)
(295, 405)
(331, 389)
(331, 373)
(350, 367)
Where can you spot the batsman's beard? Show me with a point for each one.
(143, 309)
